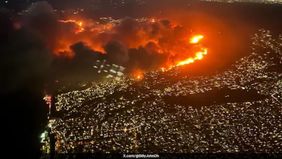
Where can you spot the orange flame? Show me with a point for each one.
(78, 23)
(196, 39)
(198, 56)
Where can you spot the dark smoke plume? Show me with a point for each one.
(24, 68)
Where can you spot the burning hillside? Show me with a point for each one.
(143, 44)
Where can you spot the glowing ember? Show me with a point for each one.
(196, 39)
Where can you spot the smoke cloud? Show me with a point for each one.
(25, 62)
(144, 43)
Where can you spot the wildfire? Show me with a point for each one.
(66, 38)
(198, 56)
(149, 36)
(196, 39)
(78, 23)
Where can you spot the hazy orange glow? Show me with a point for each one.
(196, 39)
(138, 74)
(153, 20)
